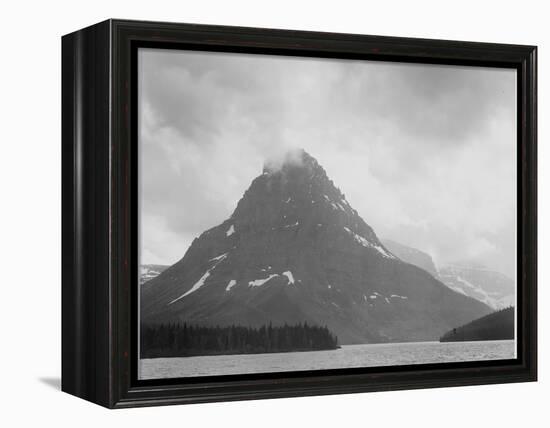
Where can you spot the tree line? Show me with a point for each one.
(182, 340)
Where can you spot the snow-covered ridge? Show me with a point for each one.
(148, 272)
(491, 287)
(482, 294)
(203, 278)
(145, 271)
(366, 243)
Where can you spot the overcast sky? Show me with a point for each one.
(425, 153)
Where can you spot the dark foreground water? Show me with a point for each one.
(386, 354)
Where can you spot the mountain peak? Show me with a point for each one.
(291, 159)
(294, 192)
(295, 250)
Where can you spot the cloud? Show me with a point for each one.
(425, 153)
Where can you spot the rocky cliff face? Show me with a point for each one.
(294, 250)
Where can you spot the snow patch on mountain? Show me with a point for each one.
(291, 225)
(457, 289)
(260, 282)
(218, 258)
(195, 287)
(230, 231)
(202, 279)
(231, 284)
(366, 243)
(396, 296)
(290, 277)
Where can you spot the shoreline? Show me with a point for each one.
(435, 342)
(217, 354)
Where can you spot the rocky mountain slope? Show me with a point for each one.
(412, 255)
(295, 250)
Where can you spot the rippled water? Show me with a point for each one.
(386, 354)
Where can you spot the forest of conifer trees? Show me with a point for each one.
(498, 325)
(183, 340)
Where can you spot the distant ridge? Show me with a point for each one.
(493, 288)
(488, 286)
(148, 272)
(413, 256)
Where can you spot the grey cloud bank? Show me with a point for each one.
(425, 153)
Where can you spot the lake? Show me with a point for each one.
(348, 356)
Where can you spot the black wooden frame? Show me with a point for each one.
(99, 177)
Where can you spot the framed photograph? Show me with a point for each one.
(253, 213)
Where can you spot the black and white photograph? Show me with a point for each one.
(276, 214)
(301, 214)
